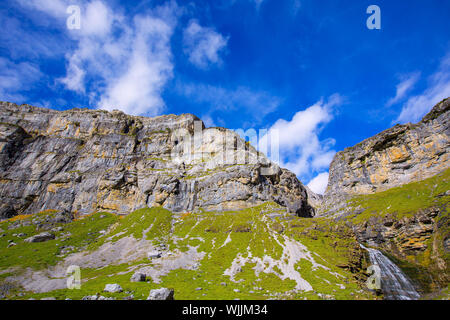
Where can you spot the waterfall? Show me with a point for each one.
(394, 283)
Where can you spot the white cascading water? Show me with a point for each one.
(394, 283)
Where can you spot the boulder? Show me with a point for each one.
(138, 277)
(161, 294)
(154, 254)
(113, 288)
(41, 237)
(97, 297)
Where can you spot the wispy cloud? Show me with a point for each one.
(258, 3)
(438, 88)
(319, 183)
(148, 67)
(406, 84)
(256, 104)
(296, 6)
(54, 8)
(208, 120)
(17, 78)
(119, 62)
(203, 45)
(33, 45)
(300, 148)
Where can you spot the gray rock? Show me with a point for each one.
(97, 297)
(138, 277)
(389, 159)
(41, 237)
(154, 254)
(72, 160)
(113, 288)
(161, 294)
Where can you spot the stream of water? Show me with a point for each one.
(394, 283)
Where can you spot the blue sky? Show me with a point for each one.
(310, 69)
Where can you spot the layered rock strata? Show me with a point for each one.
(84, 160)
(396, 156)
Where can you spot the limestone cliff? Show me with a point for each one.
(83, 160)
(396, 156)
(393, 190)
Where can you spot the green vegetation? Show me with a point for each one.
(405, 200)
(151, 223)
(76, 235)
(220, 239)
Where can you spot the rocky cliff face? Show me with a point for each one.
(421, 239)
(396, 156)
(84, 160)
(393, 190)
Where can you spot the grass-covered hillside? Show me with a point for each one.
(257, 253)
(404, 201)
(411, 225)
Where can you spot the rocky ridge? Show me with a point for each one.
(392, 189)
(83, 160)
(394, 157)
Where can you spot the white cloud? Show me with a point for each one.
(438, 88)
(203, 45)
(208, 121)
(319, 183)
(300, 148)
(55, 8)
(406, 84)
(149, 66)
(97, 19)
(119, 62)
(33, 44)
(74, 79)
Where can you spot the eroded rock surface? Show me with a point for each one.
(407, 237)
(84, 160)
(396, 156)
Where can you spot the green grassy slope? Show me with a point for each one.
(263, 237)
(405, 200)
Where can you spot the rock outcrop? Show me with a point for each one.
(408, 234)
(84, 160)
(421, 239)
(41, 237)
(161, 294)
(396, 156)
